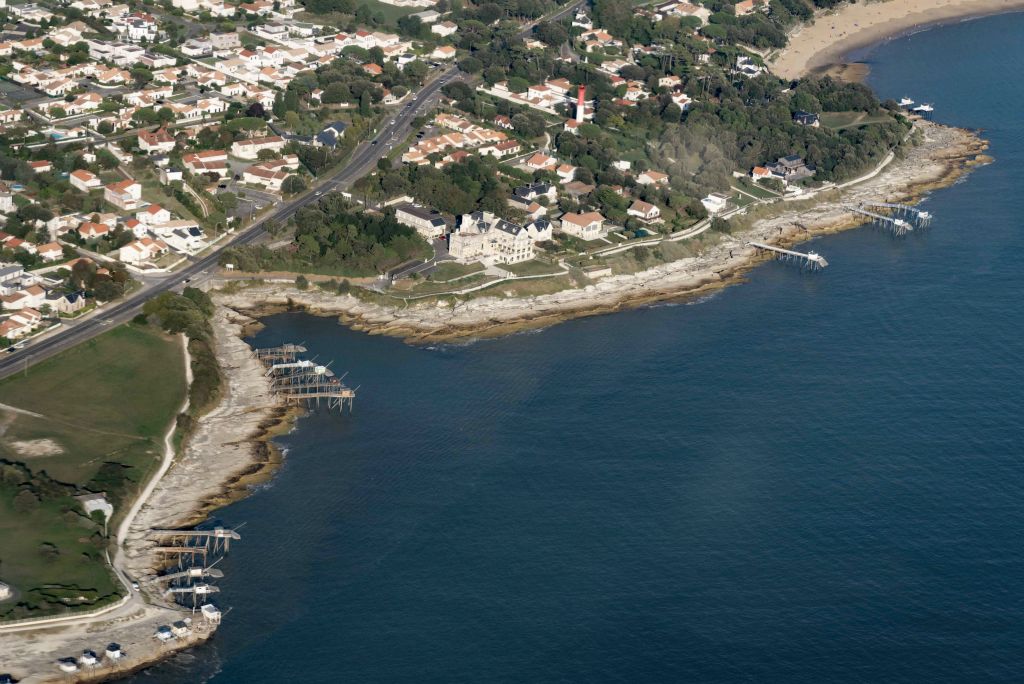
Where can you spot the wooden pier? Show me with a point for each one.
(898, 226)
(299, 381)
(811, 260)
(286, 353)
(919, 217)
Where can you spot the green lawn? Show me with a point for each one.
(105, 406)
(107, 400)
(52, 557)
(754, 189)
(449, 270)
(839, 120)
(532, 267)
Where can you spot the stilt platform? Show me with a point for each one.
(811, 260)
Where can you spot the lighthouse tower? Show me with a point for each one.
(580, 109)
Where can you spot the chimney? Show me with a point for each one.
(579, 104)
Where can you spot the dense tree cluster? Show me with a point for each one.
(333, 237)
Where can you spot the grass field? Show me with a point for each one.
(104, 407)
(449, 270)
(52, 557)
(107, 400)
(532, 267)
(839, 120)
(754, 189)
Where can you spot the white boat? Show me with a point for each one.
(905, 102)
(923, 108)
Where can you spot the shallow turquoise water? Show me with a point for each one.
(803, 478)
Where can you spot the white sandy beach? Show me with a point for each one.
(837, 32)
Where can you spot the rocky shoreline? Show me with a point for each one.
(230, 450)
(228, 453)
(942, 156)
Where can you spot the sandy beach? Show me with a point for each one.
(942, 156)
(836, 33)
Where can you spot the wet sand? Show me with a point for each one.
(820, 46)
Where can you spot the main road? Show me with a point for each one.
(363, 159)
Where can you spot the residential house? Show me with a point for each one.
(51, 251)
(427, 222)
(331, 134)
(85, 181)
(444, 28)
(140, 250)
(124, 195)
(250, 149)
(645, 211)
(586, 226)
(159, 141)
(443, 52)
(652, 177)
(66, 304)
(806, 119)
(207, 162)
(715, 203)
(6, 199)
(152, 215)
(89, 230)
(791, 169)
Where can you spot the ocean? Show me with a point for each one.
(802, 478)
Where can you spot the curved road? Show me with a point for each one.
(363, 160)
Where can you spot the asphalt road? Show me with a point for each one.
(363, 159)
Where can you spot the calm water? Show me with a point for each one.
(803, 478)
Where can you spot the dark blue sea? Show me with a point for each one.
(803, 478)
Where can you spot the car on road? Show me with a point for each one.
(375, 142)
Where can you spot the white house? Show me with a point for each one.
(124, 195)
(85, 181)
(715, 203)
(250, 149)
(154, 214)
(483, 236)
(444, 28)
(645, 211)
(586, 226)
(142, 249)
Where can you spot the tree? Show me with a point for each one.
(471, 65)
(26, 501)
(106, 159)
(293, 184)
(58, 112)
(364, 103)
(256, 111)
(301, 282)
(107, 290)
(551, 34)
(416, 70)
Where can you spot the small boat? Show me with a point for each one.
(905, 102)
(923, 108)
